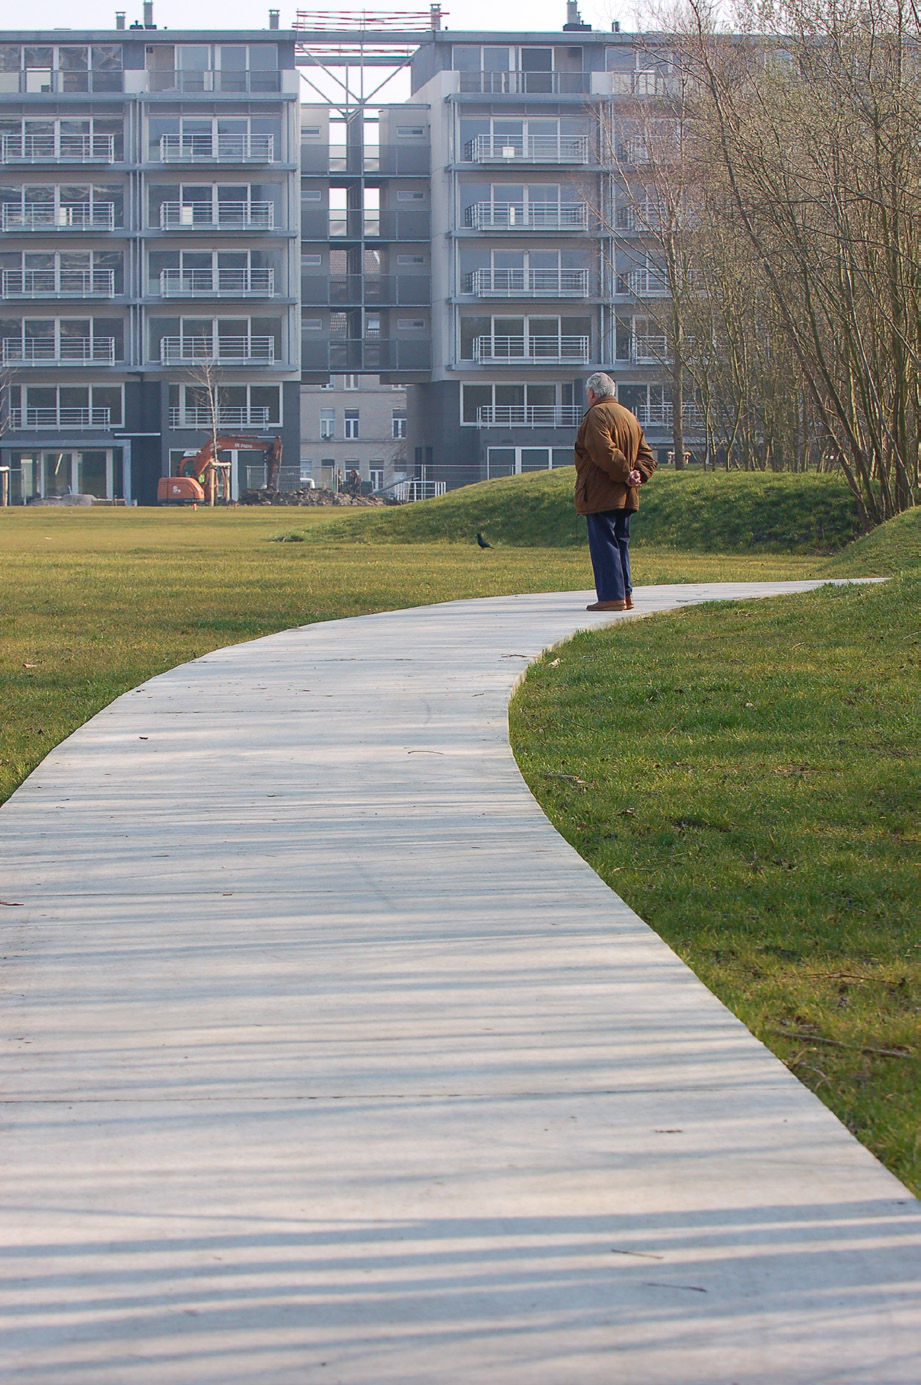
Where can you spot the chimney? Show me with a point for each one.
(574, 18)
(615, 27)
(148, 15)
(435, 18)
(119, 19)
(273, 19)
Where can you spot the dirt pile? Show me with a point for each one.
(308, 496)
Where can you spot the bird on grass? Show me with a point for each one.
(481, 541)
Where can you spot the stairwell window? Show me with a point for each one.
(352, 424)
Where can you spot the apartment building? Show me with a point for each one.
(354, 423)
(149, 212)
(186, 224)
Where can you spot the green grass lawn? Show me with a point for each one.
(746, 777)
(771, 843)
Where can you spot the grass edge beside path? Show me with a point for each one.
(761, 814)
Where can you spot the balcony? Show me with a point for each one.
(529, 149)
(220, 283)
(641, 284)
(66, 283)
(527, 216)
(59, 351)
(220, 148)
(528, 283)
(548, 350)
(526, 83)
(232, 83)
(42, 419)
(79, 149)
(651, 350)
(529, 415)
(226, 418)
(46, 81)
(225, 216)
(663, 415)
(223, 350)
(79, 216)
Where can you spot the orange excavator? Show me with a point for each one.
(198, 470)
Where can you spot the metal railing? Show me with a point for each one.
(198, 418)
(526, 83)
(224, 350)
(220, 283)
(527, 216)
(642, 284)
(59, 350)
(222, 216)
(528, 283)
(409, 490)
(61, 149)
(663, 415)
(534, 149)
(559, 350)
(228, 82)
(529, 415)
(79, 216)
(650, 350)
(63, 283)
(219, 148)
(60, 418)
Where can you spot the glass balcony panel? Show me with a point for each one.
(198, 418)
(549, 149)
(229, 350)
(529, 415)
(527, 216)
(220, 148)
(224, 216)
(556, 350)
(223, 283)
(62, 351)
(60, 418)
(78, 216)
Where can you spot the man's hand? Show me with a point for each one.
(635, 478)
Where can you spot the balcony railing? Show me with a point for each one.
(220, 283)
(227, 418)
(650, 350)
(663, 415)
(529, 415)
(224, 216)
(44, 81)
(58, 351)
(236, 83)
(220, 148)
(224, 350)
(526, 83)
(65, 283)
(553, 350)
(60, 418)
(528, 283)
(527, 216)
(532, 149)
(79, 216)
(642, 284)
(16, 149)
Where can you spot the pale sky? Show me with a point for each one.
(542, 15)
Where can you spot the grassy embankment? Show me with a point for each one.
(745, 776)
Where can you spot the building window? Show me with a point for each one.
(327, 423)
(350, 382)
(410, 324)
(351, 424)
(410, 259)
(398, 423)
(410, 131)
(376, 475)
(410, 196)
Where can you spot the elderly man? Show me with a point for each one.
(613, 460)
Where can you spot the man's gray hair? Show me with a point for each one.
(601, 385)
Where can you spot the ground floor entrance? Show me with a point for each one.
(48, 473)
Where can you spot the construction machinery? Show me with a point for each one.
(201, 472)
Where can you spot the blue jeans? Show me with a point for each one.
(609, 546)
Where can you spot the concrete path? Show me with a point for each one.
(329, 1061)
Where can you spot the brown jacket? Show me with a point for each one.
(609, 445)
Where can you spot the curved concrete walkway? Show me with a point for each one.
(332, 1062)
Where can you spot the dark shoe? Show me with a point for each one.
(607, 606)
